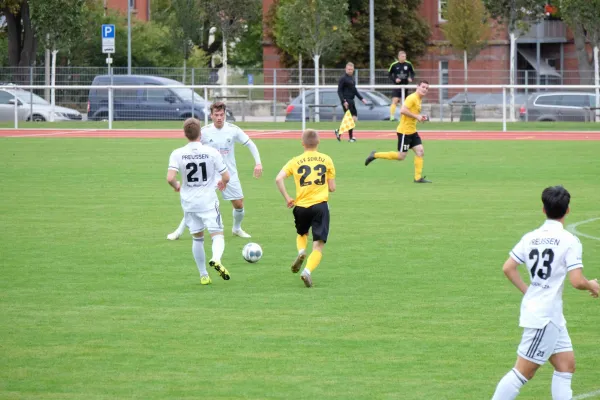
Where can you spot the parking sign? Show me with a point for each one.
(108, 38)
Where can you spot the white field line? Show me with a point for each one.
(589, 395)
(52, 134)
(573, 229)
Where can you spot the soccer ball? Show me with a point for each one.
(252, 252)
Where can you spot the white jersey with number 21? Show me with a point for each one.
(549, 252)
(200, 168)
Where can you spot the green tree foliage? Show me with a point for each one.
(517, 14)
(312, 27)
(58, 24)
(398, 26)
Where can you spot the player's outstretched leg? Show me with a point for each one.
(371, 158)
(509, 386)
(301, 243)
(238, 217)
(200, 258)
(312, 263)
(218, 247)
(178, 232)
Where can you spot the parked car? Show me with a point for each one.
(376, 109)
(558, 106)
(144, 103)
(31, 107)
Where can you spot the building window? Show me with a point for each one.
(444, 78)
(442, 8)
(132, 4)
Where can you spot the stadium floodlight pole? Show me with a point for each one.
(128, 37)
(371, 43)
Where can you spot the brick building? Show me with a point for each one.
(545, 54)
(139, 8)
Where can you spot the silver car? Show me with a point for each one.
(559, 106)
(31, 107)
(376, 109)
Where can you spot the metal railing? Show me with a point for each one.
(134, 102)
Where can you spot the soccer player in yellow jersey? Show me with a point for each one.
(314, 175)
(408, 137)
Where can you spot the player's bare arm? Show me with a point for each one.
(510, 270)
(281, 186)
(172, 180)
(258, 169)
(580, 282)
(222, 184)
(331, 185)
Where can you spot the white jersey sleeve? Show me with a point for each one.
(220, 166)
(241, 136)
(573, 256)
(173, 161)
(518, 252)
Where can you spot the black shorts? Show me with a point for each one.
(315, 217)
(407, 142)
(351, 107)
(398, 92)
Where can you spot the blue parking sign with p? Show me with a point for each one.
(108, 31)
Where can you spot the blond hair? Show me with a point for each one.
(310, 138)
(191, 128)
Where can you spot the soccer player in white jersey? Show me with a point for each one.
(550, 253)
(202, 171)
(222, 136)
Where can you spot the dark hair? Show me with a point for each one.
(556, 201)
(217, 106)
(422, 81)
(191, 128)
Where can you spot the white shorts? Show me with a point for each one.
(538, 345)
(199, 221)
(233, 191)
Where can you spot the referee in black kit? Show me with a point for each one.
(346, 92)
(401, 72)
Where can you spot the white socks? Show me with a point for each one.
(218, 247)
(181, 227)
(509, 386)
(238, 216)
(561, 386)
(199, 256)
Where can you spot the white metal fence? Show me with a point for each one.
(575, 103)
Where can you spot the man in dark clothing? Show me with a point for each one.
(346, 92)
(401, 72)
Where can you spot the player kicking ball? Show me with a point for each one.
(222, 136)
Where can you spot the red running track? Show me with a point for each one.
(386, 135)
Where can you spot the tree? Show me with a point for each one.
(22, 42)
(59, 23)
(466, 29)
(314, 27)
(232, 17)
(518, 15)
(583, 17)
(398, 26)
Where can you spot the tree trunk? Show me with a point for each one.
(53, 90)
(583, 59)
(316, 61)
(225, 73)
(513, 64)
(597, 78)
(29, 48)
(300, 69)
(14, 29)
(184, 70)
(465, 61)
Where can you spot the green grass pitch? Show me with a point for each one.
(409, 301)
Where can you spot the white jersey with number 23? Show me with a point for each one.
(549, 253)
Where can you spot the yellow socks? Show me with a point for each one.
(387, 155)
(313, 260)
(418, 167)
(301, 242)
(393, 111)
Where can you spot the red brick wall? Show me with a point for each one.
(141, 8)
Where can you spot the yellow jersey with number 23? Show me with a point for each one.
(311, 170)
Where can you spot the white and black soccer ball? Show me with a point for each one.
(252, 252)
